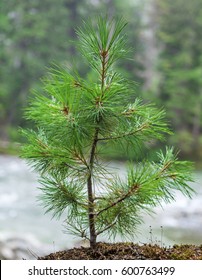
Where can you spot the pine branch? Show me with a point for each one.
(131, 191)
(57, 195)
(108, 226)
(75, 168)
(77, 231)
(80, 157)
(131, 133)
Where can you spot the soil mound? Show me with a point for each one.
(129, 251)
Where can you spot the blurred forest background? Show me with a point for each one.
(165, 38)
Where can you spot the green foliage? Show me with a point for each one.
(180, 70)
(76, 119)
(33, 34)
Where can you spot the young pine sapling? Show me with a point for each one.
(76, 119)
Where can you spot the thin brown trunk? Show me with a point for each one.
(91, 210)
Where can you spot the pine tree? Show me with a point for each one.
(76, 119)
(180, 71)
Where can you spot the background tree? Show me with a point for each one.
(33, 35)
(76, 118)
(180, 68)
(24, 35)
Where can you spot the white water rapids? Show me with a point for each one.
(21, 215)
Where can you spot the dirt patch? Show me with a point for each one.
(129, 251)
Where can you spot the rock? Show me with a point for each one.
(14, 247)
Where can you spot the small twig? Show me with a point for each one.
(151, 237)
(82, 159)
(161, 236)
(166, 166)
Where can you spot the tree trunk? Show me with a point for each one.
(91, 210)
(196, 130)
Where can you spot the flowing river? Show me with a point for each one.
(21, 214)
